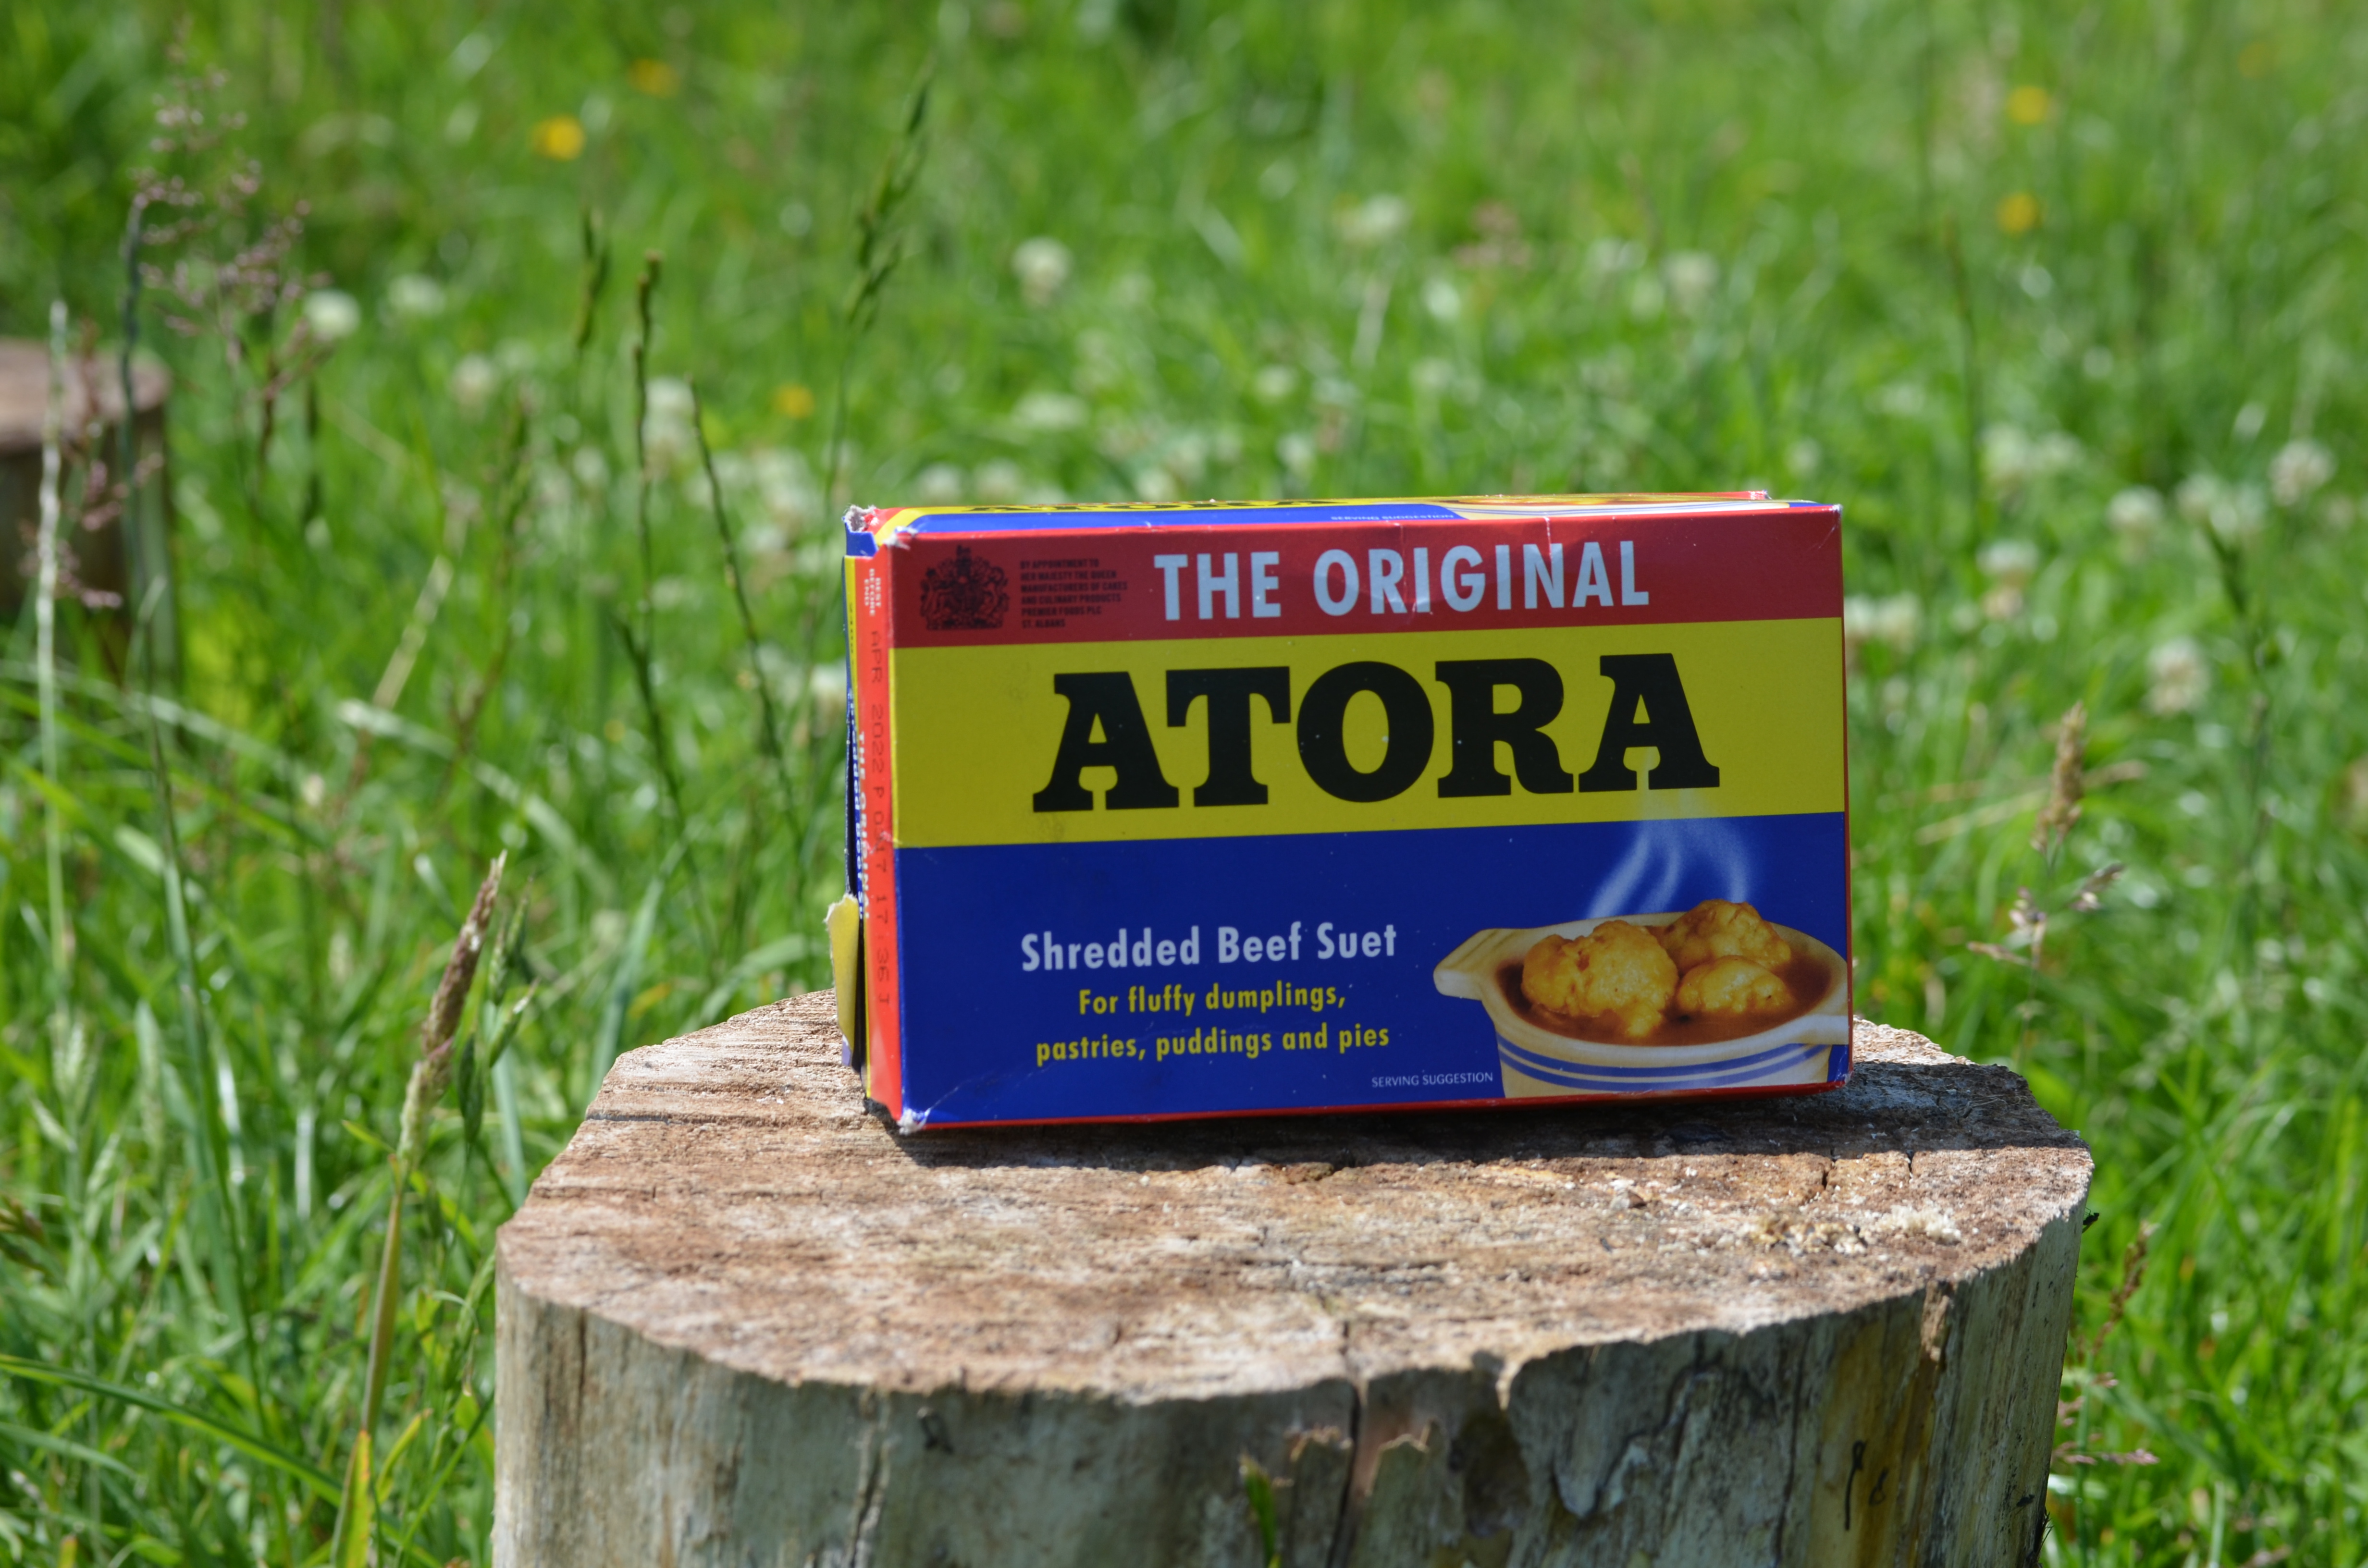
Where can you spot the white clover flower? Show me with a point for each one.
(2055, 452)
(332, 314)
(669, 398)
(2234, 513)
(1609, 374)
(1099, 365)
(1274, 383)
(1442, 299)
(2196, 495)
(668, 434)
(938, 484)
(1042, 267)
(1120, 438)
(1331, 392)
(1895, 621)
(589, 465)
(2011, 563)
(2136, 514)
(2239, 514)
(1690, 276)
(474, 382)
(1373, 220)
(1001, 482)
(1608, 256)
(2178, 677)
(1187, 457)
(1803, 458)
(2298, 471)
(414, 297)
(1296, 452)
(1049, 412)
(1156, 484)
(1901, 400)
(2008, 457)
(785, 487)
(828, 682)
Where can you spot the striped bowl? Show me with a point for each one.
(1809, 1050)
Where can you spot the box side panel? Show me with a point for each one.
(849, 589)
(868, 653)
(1830, 564)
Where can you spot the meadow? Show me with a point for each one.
(498, 534)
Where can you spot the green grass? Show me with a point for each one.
(1314, 249)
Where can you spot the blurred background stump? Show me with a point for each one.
(109, 549)
(741, 1321)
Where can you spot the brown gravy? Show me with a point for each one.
(1806, 976)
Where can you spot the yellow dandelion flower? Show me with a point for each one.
(795, 398)
(2019, 214)
(2029, 105)
(560, 138)
(656, 77)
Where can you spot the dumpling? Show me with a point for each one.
(1732, 988)
(1618, 973)
(1717, 929)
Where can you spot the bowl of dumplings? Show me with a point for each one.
(1683, 1001)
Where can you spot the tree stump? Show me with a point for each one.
(742, 1322)
(109, 565)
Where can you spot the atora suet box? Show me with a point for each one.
(1234, 809)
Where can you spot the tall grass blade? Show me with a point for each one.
(319, 1482)
(45, 619)
(504, 1074)
(629, 974)
(351, 1542)
(768, 726)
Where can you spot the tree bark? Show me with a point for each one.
(742, 1321)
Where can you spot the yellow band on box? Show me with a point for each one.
(988, 739)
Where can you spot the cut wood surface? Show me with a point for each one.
(97, 562)
(744, 1321)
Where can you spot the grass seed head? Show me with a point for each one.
(2062, 807)
(460, 970)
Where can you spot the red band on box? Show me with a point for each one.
(1303, 580)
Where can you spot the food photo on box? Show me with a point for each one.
(1230, 809)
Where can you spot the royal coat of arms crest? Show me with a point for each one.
(964, 594)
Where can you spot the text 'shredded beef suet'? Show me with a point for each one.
(1343, 805)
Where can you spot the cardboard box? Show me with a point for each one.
(1237, 809)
